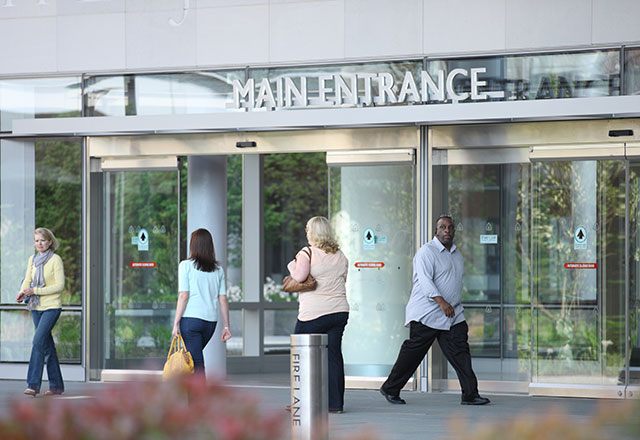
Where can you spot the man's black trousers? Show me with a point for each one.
(455, 347)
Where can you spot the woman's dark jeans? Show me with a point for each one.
(333, 325)
(196, 333)
(44, 351)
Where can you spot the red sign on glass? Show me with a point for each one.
(369, 264)
(580, 265)
(142, 264)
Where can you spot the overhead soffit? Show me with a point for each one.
(596, 132)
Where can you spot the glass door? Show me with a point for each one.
(633, 209)
(578, 313)
(487, 192)
(372, 208)
(141, 253)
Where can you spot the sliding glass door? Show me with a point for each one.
(579, 272)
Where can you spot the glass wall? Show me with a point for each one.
(579, 272)
(234, 251)
(295, 189)
(490, 206)
(41, 186)
(634, 274)
(358, 80)
(632, 71)
(540, 76)
(160, 94)
(38, 98)
(141, 275)
(372, 210)
(234, 228)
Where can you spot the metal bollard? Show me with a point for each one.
(309, 387)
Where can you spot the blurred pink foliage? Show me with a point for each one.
(185, 408)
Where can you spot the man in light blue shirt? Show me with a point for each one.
(435, 311)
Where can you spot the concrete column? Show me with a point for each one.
(207, 208)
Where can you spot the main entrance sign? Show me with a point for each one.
(360, 89)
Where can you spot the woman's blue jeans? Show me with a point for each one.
(44, 351)
(333, 325)
(196, 333)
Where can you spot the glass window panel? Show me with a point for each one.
(161, 94)
(41, 186)
(540, 76)
(632, 71)
(234, 228)
(278, 327)
(471, 195)
(295, 189)
(484, 330)
(634, 274)
(16, 327)
(349, 72)
(566, 347)
(579, 317)
(516, 233)
(140, 301)
(105, 96)
(38, 98)
(491, 207)
(234, 345)
(517, 333)
(485, 340)
(381, 199)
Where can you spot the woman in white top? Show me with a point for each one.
(201, 287)
(325, 309)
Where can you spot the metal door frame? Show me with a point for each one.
(375, 145)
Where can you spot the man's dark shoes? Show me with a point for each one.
(477, 400)
(396, 400)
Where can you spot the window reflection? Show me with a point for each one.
(234, 229)
(295, 189)
(540, 76)
(491, 207)
(38, 98)
(349, 72)
(41, 186)
(632, 71)
(160, 94)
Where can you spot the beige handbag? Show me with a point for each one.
(290, 285)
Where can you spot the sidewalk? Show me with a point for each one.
(425, 416)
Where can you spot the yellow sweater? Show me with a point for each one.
(53, 274)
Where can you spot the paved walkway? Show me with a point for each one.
(426, 415)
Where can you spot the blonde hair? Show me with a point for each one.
(48, 235)
(321, 235)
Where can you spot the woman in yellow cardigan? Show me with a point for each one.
(42, 286)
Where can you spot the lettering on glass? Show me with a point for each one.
(360, 89)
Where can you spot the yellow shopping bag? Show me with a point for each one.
(179, 360)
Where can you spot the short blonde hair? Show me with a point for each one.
(321, 235)
(48, 235)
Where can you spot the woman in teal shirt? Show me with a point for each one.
(201, 288)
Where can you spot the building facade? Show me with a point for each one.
(125, 125)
